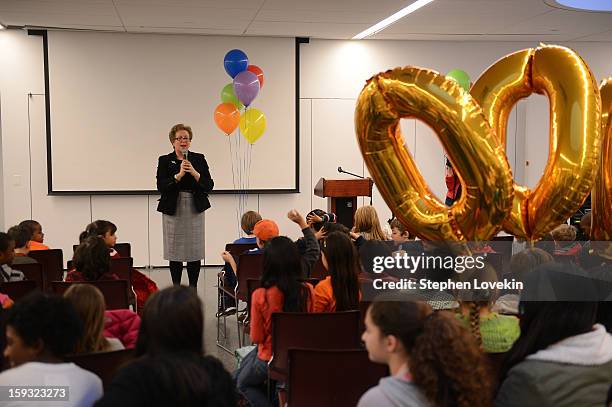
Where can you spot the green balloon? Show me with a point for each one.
(228, 96)
(461, 77)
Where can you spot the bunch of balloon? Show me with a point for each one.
(235, 112)
(471, 124)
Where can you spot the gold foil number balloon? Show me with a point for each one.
(473, 149)
(601, 199)
(575, 131)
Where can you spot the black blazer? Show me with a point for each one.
(167, 167)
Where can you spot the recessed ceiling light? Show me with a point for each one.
(391, 19)
(586, 5)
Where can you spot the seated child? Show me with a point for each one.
(91, 261)
(40, 330)
(21, 236)
(38, 237)
(495, 333)
(281, 291)
(399, 233)
(339, 291)
(88, 303)
(432, 359)
(142, 285)
(7, 254)
(247, 223)
(566, 248)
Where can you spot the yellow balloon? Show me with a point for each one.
(601, 198)
(575, 131)
(458, 121)
(252, 124)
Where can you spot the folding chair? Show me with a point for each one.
(32, 272)
(114, 291)
(52, 261)
(104, 364)
(17, 289)
(316, 380)
(249, 266)
(333, 330)
(252, 285)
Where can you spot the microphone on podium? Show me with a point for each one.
(340, 170)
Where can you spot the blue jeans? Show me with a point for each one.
(251, 380)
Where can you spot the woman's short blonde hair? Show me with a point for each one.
(179, 127)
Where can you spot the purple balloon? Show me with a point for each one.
(246, 87)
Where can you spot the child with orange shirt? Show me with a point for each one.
(340, 290)
(281, 291)
(38, 237)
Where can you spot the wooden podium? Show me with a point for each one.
(342, 196)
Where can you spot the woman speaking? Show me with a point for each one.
(184, 182)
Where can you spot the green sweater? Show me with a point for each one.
(498, 332)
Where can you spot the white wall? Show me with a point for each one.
(333, 73)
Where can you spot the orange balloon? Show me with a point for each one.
(227, 117)
(257, 71)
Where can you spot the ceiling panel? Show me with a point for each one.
(312, 16)
(461, 20)
(314, 30)
(183, 30)
(187, 17)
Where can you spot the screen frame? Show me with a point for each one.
(51, 191)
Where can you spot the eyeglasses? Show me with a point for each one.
(182, 139)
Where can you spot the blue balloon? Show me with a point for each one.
(235, 61)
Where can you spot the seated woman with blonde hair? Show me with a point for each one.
(88, 302)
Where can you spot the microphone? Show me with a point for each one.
(185, 153)
(340, 170)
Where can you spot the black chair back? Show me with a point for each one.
(315, 377)
(332, 330)
(16, 290)
(32, 272)
(115, 292)
(52, 261)
(104, 364)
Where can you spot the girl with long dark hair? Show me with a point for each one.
(281, 291)
(340, 290)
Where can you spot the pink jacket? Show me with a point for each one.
(122, 324)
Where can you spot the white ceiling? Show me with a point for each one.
(454, 20)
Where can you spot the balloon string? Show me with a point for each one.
(241, 177)
(229, 141)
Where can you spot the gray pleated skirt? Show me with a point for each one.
(184, 232)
